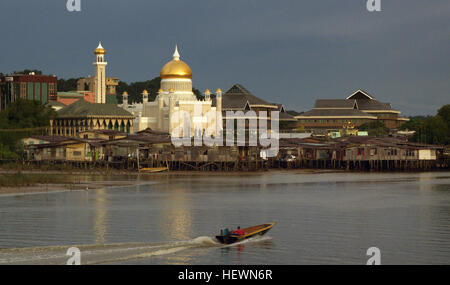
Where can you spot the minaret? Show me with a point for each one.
(219, 100)
(219, 122)
(125, 99)
(161, 113)
(100, 78)
(144, 96)
(207, 95)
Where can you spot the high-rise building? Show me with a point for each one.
(27, 86)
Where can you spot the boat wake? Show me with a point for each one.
(111, 253)
(254, 239)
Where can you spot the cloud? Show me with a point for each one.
(288, 51)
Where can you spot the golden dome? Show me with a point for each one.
(145, 92)
(99, 49)
(218, 90)
(176, 68)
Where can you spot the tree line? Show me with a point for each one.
(427, 129)
(431, 129)
(21, 119)
(134, 89)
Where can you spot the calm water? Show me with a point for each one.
(322, 218)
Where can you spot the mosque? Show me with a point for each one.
(176, 109)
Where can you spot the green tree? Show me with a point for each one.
(65, 85)
(413, 124)
(199, 94)
(433, 131)
(294, 113)
(444, 113)
(6, 153)
(28, 71)
(21, 119)
(376, 128)
(134, 90)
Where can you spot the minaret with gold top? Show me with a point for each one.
(100, 77)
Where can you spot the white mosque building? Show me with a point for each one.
(176, 109)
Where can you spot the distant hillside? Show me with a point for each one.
(294, 113)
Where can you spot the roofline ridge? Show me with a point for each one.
(364, 92)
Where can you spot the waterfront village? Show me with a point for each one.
(92, 129)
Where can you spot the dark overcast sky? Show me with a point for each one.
(292, 52)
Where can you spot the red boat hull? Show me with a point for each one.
(249, 232)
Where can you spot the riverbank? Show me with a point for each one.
(46, 188)
(40, 181)
(44, 181)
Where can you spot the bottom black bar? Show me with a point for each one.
(200, 274)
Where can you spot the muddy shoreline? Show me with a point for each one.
(80, 180)
(59, 187)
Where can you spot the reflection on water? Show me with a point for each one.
(176, 214)
(100, 215)
(321, 218)
(178, 224)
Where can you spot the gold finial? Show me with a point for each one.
(145, 91)
(125, 93)
(218, 90)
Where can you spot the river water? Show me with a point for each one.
(322, 218)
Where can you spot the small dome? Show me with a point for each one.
(176, 68)
(145, 92)
(99, 49)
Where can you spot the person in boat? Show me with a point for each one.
(239, 232)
